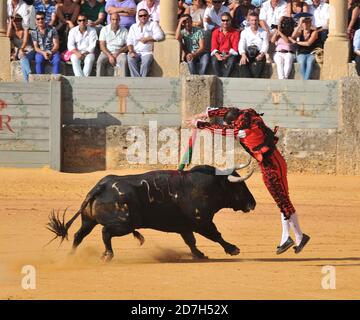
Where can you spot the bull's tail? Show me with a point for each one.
(59, 227)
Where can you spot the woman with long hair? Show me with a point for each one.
(21, 40)
(353, 17)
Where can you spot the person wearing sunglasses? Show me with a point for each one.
(140, 42)
(151, 6)
(82, 41)
(224, 47)
(46, 43)
(212, 15)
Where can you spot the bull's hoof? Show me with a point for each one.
(107, 256)
(199, 256)
(233, 250)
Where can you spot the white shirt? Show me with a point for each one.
(114, 41)
(82, 41)
(271, 15)
(154, 12)
(248, 38)
(25, 11)
(136, 33)
(321, 15)
(215, 17)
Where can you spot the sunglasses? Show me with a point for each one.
(81, 20)
(225, 20)
(143, 15)
(38, 19)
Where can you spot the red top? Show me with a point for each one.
(249, 121)
(224, 42)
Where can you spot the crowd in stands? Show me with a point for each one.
(219, 33)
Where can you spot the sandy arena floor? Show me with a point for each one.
(329, 210)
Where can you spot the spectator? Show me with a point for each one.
(253, 46)
(357, 50)
(95, 12)
(125, 8)
(305, 38)
(152, 7)
(113, 46)
(236, 14)
(182, 8)
(140, 41)
(212, 15)
(193, 41)
(321, 15)
(246, 7)
(270, 13)
(46, 44)
(224, 47)
(296, 6)
(67, 12)
(27, 12)
(353, 17)
(285, 50)
(21, 40)
(197, 12)
(82, 42)
(49, 8)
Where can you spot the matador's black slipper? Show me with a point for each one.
(305, 239)
(285, 246)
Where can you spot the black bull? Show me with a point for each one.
(167, 200)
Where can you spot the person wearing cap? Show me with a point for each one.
(305, 37)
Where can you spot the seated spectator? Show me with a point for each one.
(357, 50)
(212, 15)
(321, 16)
(151, 6)
(193, 43)
(224, 47)
(46, 44)
(82, 42)
(49, 8)
(296, 6)
(253, 46)
(21, 40)
(353, 17)
(182, 7)
(306, 39)
(125, 8)
(113, 46)
(67, 13)
(27, 12)
(95, 12)
(285, 49)
(236, 14)
(140, 42)
(247, 7)
(197, 12)
(270, 13)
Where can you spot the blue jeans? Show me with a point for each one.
(25, 64)
(203, 60)
(40, 60)
(306, 62)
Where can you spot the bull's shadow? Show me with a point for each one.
(189, 259)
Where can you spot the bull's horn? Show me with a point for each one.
(234, 179)
(244, 165)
